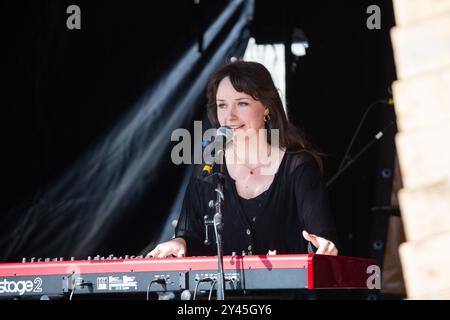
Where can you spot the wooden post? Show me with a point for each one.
(421, 44)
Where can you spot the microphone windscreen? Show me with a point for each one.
(226, 132)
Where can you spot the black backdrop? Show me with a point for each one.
(347, 67)
(65, 89)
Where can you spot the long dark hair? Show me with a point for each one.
(255, 80)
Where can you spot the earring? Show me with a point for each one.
(266, 117)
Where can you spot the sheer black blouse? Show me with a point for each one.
(295, 201)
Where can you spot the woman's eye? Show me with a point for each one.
(243, 104)
(221, 105)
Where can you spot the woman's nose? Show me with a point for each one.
(232, 114)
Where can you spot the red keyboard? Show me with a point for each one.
(259, 272)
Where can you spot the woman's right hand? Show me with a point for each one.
(175, 247)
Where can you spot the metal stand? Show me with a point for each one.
(217, 222)
(377, 137)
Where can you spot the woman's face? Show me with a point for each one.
(238, 110)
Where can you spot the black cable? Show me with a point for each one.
(211, 290)
(71, 294)
(198, 283)
(161, 281)
(195, 290)
(75, 285)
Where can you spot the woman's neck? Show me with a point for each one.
(251, 155)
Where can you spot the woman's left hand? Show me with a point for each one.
(323, 245)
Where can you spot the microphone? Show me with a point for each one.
(223, 136)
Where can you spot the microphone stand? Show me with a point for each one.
(217, 223)
(224, 133)
(377, 137)
(218, 226)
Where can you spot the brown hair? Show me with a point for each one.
(255, 80)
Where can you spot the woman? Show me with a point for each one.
(274, 201)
